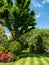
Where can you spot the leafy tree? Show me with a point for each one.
(29, 39)
(34, 39)
(17, 16)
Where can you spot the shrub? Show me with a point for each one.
(15, 47)
(4, 57)
(3, 49)
(12, 57)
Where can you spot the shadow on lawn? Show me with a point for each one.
(28, 54)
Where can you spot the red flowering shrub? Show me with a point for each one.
(4, 57)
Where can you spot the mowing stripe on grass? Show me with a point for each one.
(44, 61)
(47, 58)
(21, 61)
(27, 61)
(36, 62)
(40, 62)
(32, 61)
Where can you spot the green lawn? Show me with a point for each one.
(30, 59)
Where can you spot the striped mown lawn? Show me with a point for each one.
(31, 59)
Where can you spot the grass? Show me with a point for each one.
(30, 59)
(12, 63)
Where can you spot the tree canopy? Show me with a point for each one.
(17, 16)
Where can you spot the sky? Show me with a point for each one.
(41, 8)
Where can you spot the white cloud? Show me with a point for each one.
(38, 16)
(45, 1)
(36, 4)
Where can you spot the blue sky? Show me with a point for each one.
(41, 8)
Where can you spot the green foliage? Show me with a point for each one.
(2, 49)
(15, 47)
(3, 37)
(45, 38)
(36, 39)
(17, 16)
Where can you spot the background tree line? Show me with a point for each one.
(37, 39)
